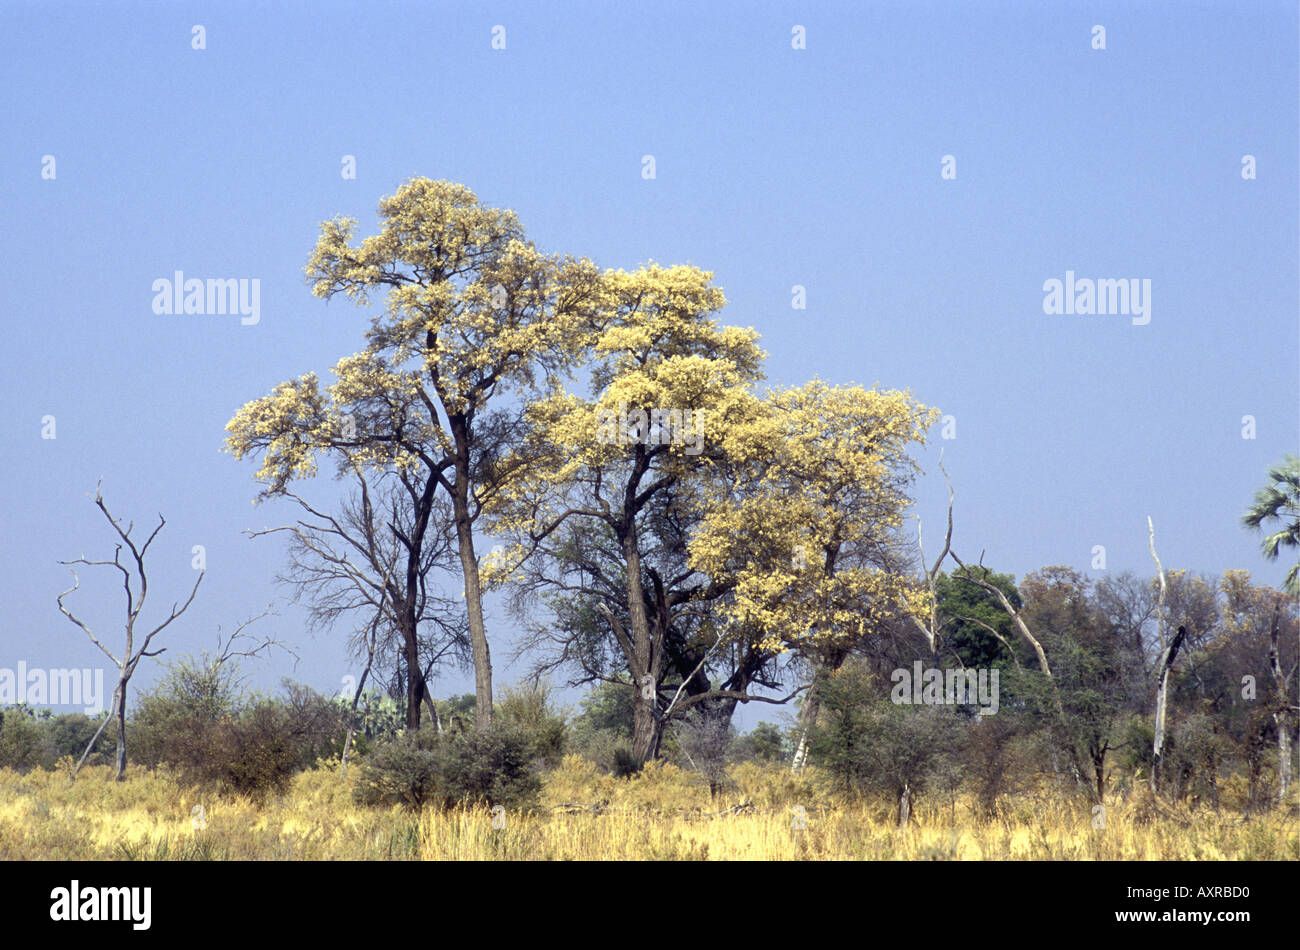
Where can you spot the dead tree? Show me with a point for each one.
(932, 630)
(1283, 709)
(980, 580)
(133, 573)
(1164, 664)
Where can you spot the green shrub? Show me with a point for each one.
(869, 744)
(21, 743)
(70, 733)
(425, 768)
(625, 762)
(764, 743)
(602, 731)
(528, 711)
(198, 721)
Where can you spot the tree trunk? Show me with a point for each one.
(645, 730)
(905, 805)
(1162, 670)
(477, 634)
(473, 588)
(812, 706)
(121, 730)
(642, 662)
(410, 650)
(807, 719)
(1281, 712)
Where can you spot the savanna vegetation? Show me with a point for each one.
(679, 540)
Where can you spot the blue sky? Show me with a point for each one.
(775, 167)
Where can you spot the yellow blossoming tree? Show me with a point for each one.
(474, 316)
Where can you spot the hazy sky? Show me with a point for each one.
(774, 167)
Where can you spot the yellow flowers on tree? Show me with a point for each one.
(717, 528)
(789, 505)
(805, 532)
(474, 316)
(666, 381)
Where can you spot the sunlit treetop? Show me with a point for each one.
(471, 308)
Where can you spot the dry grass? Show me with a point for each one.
(663, 813)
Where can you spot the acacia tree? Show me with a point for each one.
(666, 381)
(578, 576)
(804, 531)
(135, 582)
(474, 313)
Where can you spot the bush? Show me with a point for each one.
(702, 740)
(764, 743)
(602, 732)
(175, 722)
(528, 711)
(69, 734)
(400, 770)
(625, 762)
(21, 745)
(198, 721)
(253, 753)
(870, 744)
(425, 767)
(38, 739)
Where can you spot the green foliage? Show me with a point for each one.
(378, 716)
(868, 743)
(764, 743)
(602, 731)
(173, 722)
(70, 733)
(528, 710)
(624, 762)
(21, 744)
(423, 767)
(961, 603)
(31, 738)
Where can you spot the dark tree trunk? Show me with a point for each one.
(121, 731)
(414, 677)
(643, 661)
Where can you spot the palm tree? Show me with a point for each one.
(1280, 500)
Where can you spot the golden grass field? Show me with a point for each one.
(663, 813)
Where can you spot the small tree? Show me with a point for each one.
(136, 584)
(764, 743)
(871, 744)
